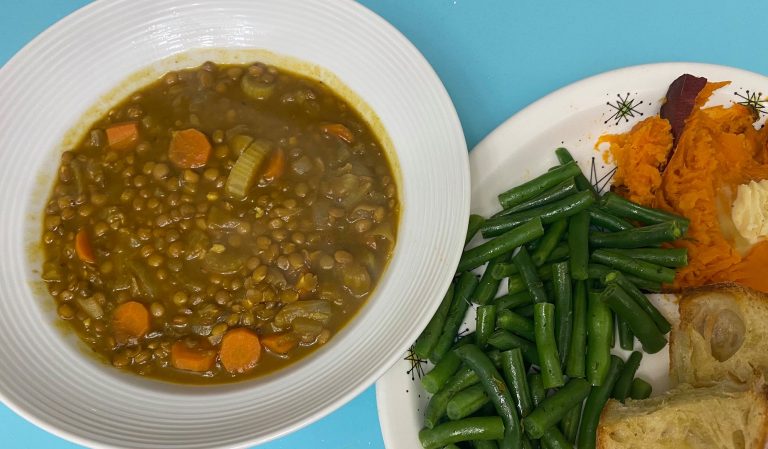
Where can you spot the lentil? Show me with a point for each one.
(168, 234)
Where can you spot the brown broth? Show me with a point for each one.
(199, 258)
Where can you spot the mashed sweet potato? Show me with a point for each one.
(718, 150)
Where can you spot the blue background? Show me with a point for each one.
(494, 57)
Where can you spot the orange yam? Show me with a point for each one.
(130, 321)
(240, 350)
(718, 150)
(83, 247)
(638, 155)
(279, 343)
(122, 136)
(189, 148)
(199, 358)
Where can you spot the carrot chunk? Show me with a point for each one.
(240, 350)
(275, 166)
(199, 358)
(340, 131)
(83, 247)
(122, 136)
(130, 320)
(280, 342)
(189, 148)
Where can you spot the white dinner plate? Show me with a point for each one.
(523, 147)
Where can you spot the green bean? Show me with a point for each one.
(451, 446)
(639, 268)
(507, 269)
(606, 220)
(554, 439)
(548, 213)
(639, 321)
(484, 444)
(594, 406)
(560, 253)
(599, 336)
(552, 409)
(562, 190)
(518, 325)
(597, 271)
(525, 311)
(467, 402)
(546, 346)
(563, 308)
(640, 389)
(574, 362)
(538, 393)
(565, 157)
(428, 338)
(467, 429)
(621, 279)
(538, 185)
(624, 382)
(622, 207)
(497, 390)
(466, 285)
(502, 244)
(514, 373)
(570, 423)
(485, 323)
(516, 284)
(434, 380)
(578, 242)
(530, 276)
(536, 386)
(504, 341)
(637, 237)
(436, 408)
(626, 337)
(511, 301)
(504, 270)
(552, 236)
(666, 257)
(488, 287)
(475, 222)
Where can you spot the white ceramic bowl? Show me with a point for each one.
(48, 86)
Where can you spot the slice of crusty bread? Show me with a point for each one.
(722, 335)
(722, 416)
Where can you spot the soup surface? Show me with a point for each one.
(219, 223)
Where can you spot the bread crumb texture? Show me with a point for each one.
(723, 416)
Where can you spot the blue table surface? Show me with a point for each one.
(494, 57)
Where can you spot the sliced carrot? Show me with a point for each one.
(130, 321)
(280, 342)
(199, 358)
(240, 350)
(276, 165)
(189, 148)
(83, 247)
(340, 131)
(122, 136)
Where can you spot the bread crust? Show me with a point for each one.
(750, 401)
(683, 369)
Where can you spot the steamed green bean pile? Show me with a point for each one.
(538, 368)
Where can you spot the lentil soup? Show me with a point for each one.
(218, 224)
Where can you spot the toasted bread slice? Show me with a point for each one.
(722, 335)
(723, 416)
